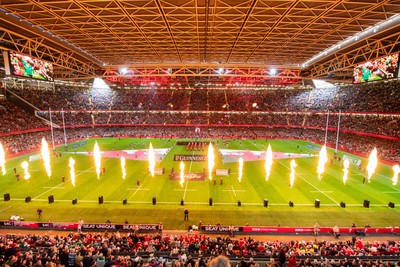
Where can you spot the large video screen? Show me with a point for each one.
(378, 69)
(27, 66)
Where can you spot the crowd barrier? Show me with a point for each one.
(266, 230)
(210, 229)
(140, 228)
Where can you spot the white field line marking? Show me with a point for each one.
(375, 173)
(5, 209)
(169, 150)
(137, 189)
(360, 173)
(187, 181)
(85, 171)
(234, 191)
(322, 192)
(304, 180)
(363, 175)
(184, 193)
(134, 193)
(189, 190)
(63, 183)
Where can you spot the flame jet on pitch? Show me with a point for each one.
(372, 163)
(346, 165)
(211, 160)
(182, 174)
(322, 160)
(123, 167)
(46, 156)
(25, 166)
(97, 159)
(293, 166)
(71, 165)
(240, 169)
(152, 160)
(396, 170)
(268, 162)
(2, 159)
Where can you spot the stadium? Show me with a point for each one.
(164, 132)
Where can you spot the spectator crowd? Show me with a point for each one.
(193, 250)
(370, 109)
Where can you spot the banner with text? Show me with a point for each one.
(178, 157)
(141, 228)
(299, 230)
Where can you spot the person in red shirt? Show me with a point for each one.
(292, 260)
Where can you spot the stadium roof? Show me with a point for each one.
(201, 40)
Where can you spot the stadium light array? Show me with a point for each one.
(100, 84)
(52, 35)
(123, 71)
(383, 25)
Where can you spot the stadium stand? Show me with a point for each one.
(380, 97)
(281, 113)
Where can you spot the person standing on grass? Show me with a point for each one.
(186, 213)
(39, 212)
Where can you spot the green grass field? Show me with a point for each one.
(251, 191)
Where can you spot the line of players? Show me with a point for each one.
(200, 146)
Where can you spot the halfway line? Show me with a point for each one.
(63, 182)
(136, 191)
(187, 181)
(311, 184)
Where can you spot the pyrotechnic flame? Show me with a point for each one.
(2, 159)
(25, 166)
(182, 174)
(123, 167)
(396, 170)
(211, 159)
(240, 169)
(97, 159)
(346, 165)
(152, 160)
(72, 170)
(292, 173)
(323, 159)
(46, 156)
(372, 163)
(268, 162)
